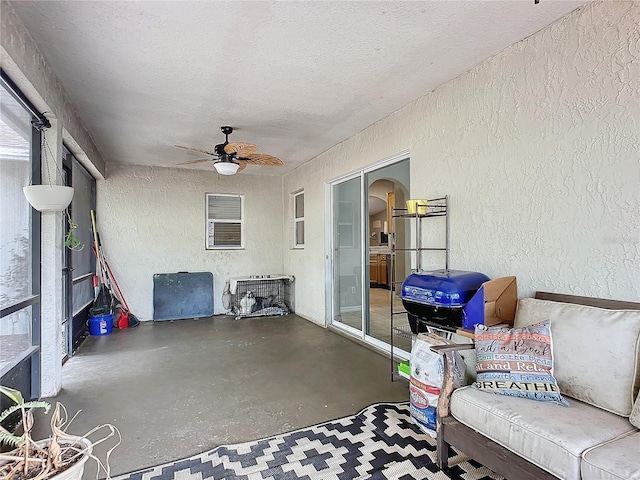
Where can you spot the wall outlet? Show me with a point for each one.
(353, 290)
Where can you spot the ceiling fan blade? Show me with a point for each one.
(240, 148)
(262, 159)
(191, 162)
(242, 164)
(194, 149)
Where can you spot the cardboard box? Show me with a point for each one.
(495, 302)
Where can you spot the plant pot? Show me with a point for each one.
(48, 197)
(75, 471)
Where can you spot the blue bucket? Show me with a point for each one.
(101, 324)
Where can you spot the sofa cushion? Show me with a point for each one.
(546, 434)
(517, 362)
(615, 460)
(596, 351)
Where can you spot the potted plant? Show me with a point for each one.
(60, 457)
(48, 196)
(70, 241)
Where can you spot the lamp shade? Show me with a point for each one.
(226, 168)
(48, 197)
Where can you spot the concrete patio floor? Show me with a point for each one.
(178, 388)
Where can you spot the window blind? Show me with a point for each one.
(224, 221)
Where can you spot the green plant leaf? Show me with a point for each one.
(11, 440)
(8, 411)
(38, 404)
(24, 406)
(13, 394)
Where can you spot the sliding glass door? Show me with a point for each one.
(361, 237)
(347, 253)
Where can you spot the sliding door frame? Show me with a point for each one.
(330, 285)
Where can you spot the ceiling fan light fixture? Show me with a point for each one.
(231, 158)
(226, 168)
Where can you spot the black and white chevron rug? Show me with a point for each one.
(379, 443)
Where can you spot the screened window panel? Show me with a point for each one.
(299, 210)
(82, 260)
(224, 208)
(225, 234)
(299, 233)
(15, 336)
(15, 211)
(15, 231)
(83, 293)
(298, 219)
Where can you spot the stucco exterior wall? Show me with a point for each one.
(538, 149)
(152, 220)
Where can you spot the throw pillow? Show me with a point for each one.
(517, 362)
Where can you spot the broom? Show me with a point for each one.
(103, 298)
(126, 319)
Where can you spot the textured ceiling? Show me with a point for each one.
(293, 77)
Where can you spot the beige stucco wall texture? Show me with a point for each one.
(538, 148)
(152, 220)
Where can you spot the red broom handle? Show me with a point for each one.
(112, 277)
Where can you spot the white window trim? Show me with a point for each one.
(241, 222)
(297, 220)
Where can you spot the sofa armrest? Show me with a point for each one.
(447, 352)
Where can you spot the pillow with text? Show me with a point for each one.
(517, 362)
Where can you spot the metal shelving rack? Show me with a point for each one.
(436, 207)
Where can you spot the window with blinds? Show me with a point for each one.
(225, 223)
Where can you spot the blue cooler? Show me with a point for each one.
(101, 324)
(437, 297)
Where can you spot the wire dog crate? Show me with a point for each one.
(258, 295)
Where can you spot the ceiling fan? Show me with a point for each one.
(233, 157)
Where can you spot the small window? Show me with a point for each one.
(225, 223)
(298, 219)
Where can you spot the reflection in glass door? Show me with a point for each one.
(347, 253)
(387, 187)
